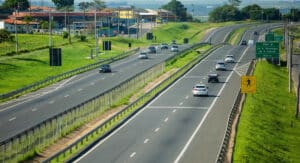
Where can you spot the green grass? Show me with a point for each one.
(29, 42)
(236, 35)
(21, 70)
(265, 133)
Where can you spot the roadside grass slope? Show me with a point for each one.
(268, 130)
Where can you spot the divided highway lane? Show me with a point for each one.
(160, 131)
(17, 117)
(23, 113)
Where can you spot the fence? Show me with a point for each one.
(239, 102)
(62, 76)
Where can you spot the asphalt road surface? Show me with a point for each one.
(176, 126)
(21, 114)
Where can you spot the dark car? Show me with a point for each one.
(244, 42)
(152, 49)
(213, 78)
(255, 33)
(164, 46)
(105, 68)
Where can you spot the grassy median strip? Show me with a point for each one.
(268, 130)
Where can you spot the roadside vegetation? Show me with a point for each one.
(268, 130)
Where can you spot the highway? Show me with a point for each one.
(176, 126)
(21, 114)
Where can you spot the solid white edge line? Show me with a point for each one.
(206, 114)
(139, 112)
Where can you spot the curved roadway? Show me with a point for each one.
(21, 114)
(176, 126)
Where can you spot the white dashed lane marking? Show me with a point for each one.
(146, 141)
(133, 154)
(66, 96)
(11, 119)
(174, 110)
(80, 89)
(166, 120)
(181, 103)
(51, 102)
(157, 129)
(186, 97)
(34, 109)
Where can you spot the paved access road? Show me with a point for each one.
(176, 126)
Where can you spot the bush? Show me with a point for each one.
(5, 35)
(65, 35)
(82, 38)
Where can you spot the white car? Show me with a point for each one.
(143, 55)
(174, 48)
(229, 59)
(220, 66)
(200, 90)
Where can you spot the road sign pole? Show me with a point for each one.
(298, 89)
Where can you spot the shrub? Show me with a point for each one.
(5, 35)
(65, 35)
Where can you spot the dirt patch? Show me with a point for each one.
(83, 130)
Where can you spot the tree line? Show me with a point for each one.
(230, 12)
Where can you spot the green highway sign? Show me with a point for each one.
(267, 49)
(269, 37)
(278, 38)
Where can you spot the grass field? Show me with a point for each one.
(268, 130)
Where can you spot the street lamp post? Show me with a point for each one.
(96, 34)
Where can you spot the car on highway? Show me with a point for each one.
(143, 55)
(244, 42)
(104, 68)
(164, 46)
(213, 78)
(174, 48)
(200, 90)
(173, 42)
(256, 33)
(220, 66)
(151, 49)
(229, 59)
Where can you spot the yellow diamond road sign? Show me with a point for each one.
(248, 84)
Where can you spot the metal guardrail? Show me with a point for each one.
(239, 102)
(62, 76)
(123, 115)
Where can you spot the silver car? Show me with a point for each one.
(200, 90)
(143, 55)
(220, 66)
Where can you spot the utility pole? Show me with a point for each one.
(16, 29)
(50, 30)
(298, 89)
(96, 34)
(290, 61)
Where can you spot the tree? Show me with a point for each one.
(253, 12)
(84, 6)
(11, 5)
(235, 2)
(177, 8)
(5, 35)
(225, 13)
(272, 14)
(293, 15)
(63, 3)
(98, 4)
(27, 20)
